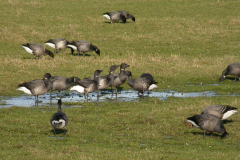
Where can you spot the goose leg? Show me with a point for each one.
(87, 97)
(38, 100)
(60, 94)
(116, 92)
(54, 131)
(72, 50)
(112, 90)
(204, 133)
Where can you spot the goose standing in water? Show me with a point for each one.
(139, 84)
(83, 46)
(221, 111)
(107, 80)
(152, 82)
(209, 123)
(57, 44)
(86, 86)
(36, 87)
(119, 78)
(61, 83)
(59, 119)
(37, 50)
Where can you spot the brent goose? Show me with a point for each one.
(221, 111)
(139, 84)
(209, 123)
(37, 50)
(119, 15)
(57, 44)
(36, 87)
(152, 82)
(119, 78)
(114, 16)
(61, 83)
(59, 119)
(232, 69)
(107, 80)
(83, 46)
(127, 15)
(86, 86)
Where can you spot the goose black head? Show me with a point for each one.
(124, 65)
(97, 72)
(50, 53)
(113, 68)
(221, 78)
(133, 18)
(128, 73)
(47, 76)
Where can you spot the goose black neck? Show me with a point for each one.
(131, 81)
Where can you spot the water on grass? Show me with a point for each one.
(125, 95)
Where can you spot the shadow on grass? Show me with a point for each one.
(59, 131)
(227, 121)
(31, 58)
(214, 135)
(81, 55)
(232, 79)
(117, 22)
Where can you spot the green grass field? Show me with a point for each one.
(182, 43)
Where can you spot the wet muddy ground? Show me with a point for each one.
(105, 96)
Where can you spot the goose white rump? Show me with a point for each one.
(28, 49)
(25, 90)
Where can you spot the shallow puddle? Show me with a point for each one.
(105, 96)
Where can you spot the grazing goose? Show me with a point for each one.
(36, 87)
(139, 84)
(221, 111)
(59, 119)
(61, 83)
(232, 69)
(107, 80)
(152, 82)
(37, 50)
(120, 15)
(114, 16)
(83, 46)
(57, 44)
(119, 78)
(127, 15)
(209, 123)
(87, 85)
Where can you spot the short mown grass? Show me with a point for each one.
(151, 129)
(184, 44)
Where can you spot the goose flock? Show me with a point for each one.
(209, 120)
(89, 84)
